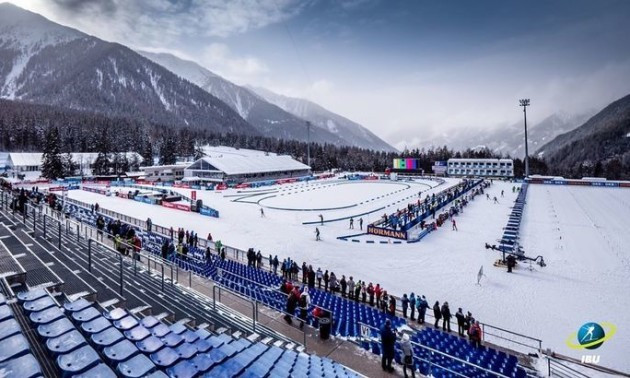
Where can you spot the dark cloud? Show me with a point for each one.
(87, 6)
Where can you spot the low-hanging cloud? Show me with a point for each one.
(144, 23)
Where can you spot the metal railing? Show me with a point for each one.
(435, 351)
(557, 369)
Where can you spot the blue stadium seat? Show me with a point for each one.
(78, 361)
(106, 338)
(150, 345)
(56, 328)
(125, 323)
(95, 326)
(65, 343)
(46, 316)
(120, 351)
(38, 304)
(183, 369)
(165, 357)
(23, 367)
(98, 371)
(85, 315)
(12, 347)
(135, 367)
(9, 327)
(31, 295)
(115, 314)
(160, 330)
(172, 340)
(137, 333)
(149, 321)
(77, 305)
(5, 313)
(186, 351)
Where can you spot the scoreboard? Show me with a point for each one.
(406, 164)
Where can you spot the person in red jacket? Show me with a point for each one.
(378, 291)
(475, 334)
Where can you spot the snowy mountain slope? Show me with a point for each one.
(268, 119)
(509, 139)
(325, 119)
(602, 137)
(47, 63)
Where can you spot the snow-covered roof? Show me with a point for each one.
(224, 150)
(238, 164)
(25, 159)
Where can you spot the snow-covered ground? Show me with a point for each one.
(581, 232)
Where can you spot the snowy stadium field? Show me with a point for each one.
(582, 233)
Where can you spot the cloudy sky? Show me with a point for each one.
(404, 69)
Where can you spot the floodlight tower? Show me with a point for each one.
(308, 143)
(525, 103)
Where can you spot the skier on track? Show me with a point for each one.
(321, 220)
(317, 238)
(454, 224)
(361, 223)
(351, 223)
(262, 212)
(502, 193)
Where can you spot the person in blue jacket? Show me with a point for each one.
(412, 306)
(422, 305)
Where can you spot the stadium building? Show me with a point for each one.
(166, 173)
(481, 167)
(231, 165)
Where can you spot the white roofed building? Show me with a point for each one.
(480, 167)
(227, 164)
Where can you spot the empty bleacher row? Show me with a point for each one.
(509, 239)
(86, 340)
(347, 315)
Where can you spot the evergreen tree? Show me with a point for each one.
(167, 151)
(52, 165)
(147, 154)
(69, 167)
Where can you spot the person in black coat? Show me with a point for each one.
(291, 306)
(446, 316)
(165, 249)
(461, 322)
(388, 340)
(437, 313)
(311, 277)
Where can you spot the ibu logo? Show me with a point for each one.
(591, 336)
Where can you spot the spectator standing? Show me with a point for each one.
(405, 305)
(437, 313)
(343, 284)
(319, 276)
(412, 306)
(407, 352)
(446, 316)
(461, 321)
(388, 341)
(475, 334)
(350, 288)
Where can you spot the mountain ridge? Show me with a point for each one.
(61, 66)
